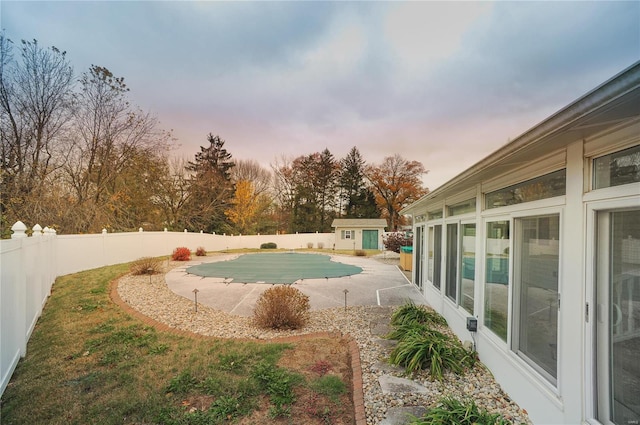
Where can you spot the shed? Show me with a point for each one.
(359, 233)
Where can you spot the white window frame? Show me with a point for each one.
(515, 304)
(490, 334)
(347, 234)
(428, 226)
(593, 207)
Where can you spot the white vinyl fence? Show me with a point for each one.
(30, 265)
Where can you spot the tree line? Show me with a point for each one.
(78, 157)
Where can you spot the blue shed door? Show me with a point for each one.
(369, 239)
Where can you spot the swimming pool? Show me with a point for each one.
(282, 267)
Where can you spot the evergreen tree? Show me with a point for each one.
(358, 201)
(212, 189)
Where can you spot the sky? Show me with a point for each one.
(442, 83)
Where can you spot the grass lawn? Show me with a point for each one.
(88, 362)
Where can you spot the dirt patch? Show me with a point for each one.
(313, 359)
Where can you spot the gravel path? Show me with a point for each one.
(152, 298)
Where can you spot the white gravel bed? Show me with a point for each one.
(154, 299)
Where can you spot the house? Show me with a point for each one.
(538, 245)
(359, 233)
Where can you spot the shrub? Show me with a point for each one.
(309, 245)
(450, 411)
(282, 307)
(321, 367)
(360, 253)
(145, 265)
(431, 349)
(201, 252)
(268, 245)
(420, 346)
(410, 312)
(320, 245)
(181, 254)
(393, 241)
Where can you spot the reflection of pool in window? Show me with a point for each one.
(496, 287)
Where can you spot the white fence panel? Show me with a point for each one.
(26, 275)
(12, 300)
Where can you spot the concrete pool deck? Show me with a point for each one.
(378, 284)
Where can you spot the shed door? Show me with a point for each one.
(369, 239)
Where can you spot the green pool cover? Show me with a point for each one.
(275, 268)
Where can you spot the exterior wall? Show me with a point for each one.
(570, 401)
(29, 267)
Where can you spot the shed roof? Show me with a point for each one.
(359, 222)
(610, 104)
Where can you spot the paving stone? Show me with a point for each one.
(402, 415)
(392, 384)
(388, 344)
(380, 327)
(387, 367)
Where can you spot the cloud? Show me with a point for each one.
(445, 83)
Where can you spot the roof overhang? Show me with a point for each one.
(614, 102)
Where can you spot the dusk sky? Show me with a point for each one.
(443, 83)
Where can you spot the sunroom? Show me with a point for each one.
(539, 245)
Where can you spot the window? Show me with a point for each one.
(618, 316)
(616, 169)
(468, 267)
(465, 207)
(435, 255)
(451, 288)
(536, 303)
(543, 187)
(496, 289)
(434, 215)
(347, 234)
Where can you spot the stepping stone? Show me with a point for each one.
(402, 415)
(392, 384)
(380, 327)
(387, 345)
(387, 367)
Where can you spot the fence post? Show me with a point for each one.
(37, 230)
(19, 230)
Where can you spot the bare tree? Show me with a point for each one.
(284, 189)
(109, 137)
(35, 94)
(250, 170)
(173, 193)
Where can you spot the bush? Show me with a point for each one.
(181, 254)
(309, 245)
(145, 265)
(433, 350)
(450, 411)
(393, 241)
(420, 346)
(410, 312)
(361, 253)
(320, 245)
(201, 252)
(282, 307)
(268, 245)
